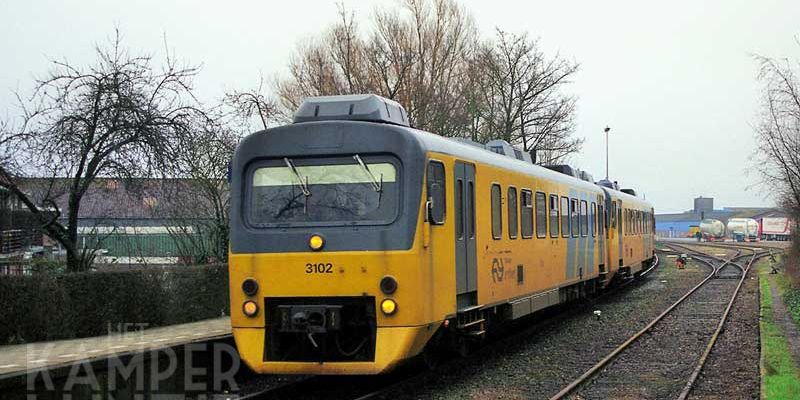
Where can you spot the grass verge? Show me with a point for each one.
(780, 375)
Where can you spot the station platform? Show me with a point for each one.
(22, 359)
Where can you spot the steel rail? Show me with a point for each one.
(709, 347)
(611, 356)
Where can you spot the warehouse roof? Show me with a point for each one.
(137, 198)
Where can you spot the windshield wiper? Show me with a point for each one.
(376, 184)
(303, 183)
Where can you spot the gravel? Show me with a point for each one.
(658, 365)
(539, 364)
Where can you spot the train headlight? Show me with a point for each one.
(250, 308)
(388, 284)
(315, 242)
(250, 287)
(388, 306)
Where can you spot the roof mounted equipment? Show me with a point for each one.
(356, 107)
(500, 146)
(564, 169)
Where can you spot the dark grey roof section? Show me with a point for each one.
(564, 169)
(357, 107)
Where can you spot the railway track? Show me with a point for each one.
(378, 387)
(664, 359)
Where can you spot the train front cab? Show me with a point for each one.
(334, 298)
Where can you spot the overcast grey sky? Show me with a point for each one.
(675, 80)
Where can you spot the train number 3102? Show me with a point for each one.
(321, 268)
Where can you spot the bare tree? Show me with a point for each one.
(521, 97)
(778, 141)
(120, 116)
(418, 55)
(249, 110)
(778, 131)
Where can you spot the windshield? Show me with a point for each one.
(338, 191)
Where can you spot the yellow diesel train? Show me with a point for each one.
(358, 242)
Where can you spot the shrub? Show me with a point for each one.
(49, 306)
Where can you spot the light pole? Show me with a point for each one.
(606, 131)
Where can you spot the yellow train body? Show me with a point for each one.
(513, 274)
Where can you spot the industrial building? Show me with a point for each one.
(679, 224)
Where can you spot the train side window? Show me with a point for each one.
(574, 217)
(497, 213)
(471, 213)
(541, 215)
(638, 222)
(593, 218)
(526, 213)
(584, 218)
(619, 219)
(553, 216)
(459, 208)
(601, 219)
(643, 221)
(564, 212)
(436, 193)
(513, 225)
(627, 225)
(642, 228)
(613, 215)
(629, 222)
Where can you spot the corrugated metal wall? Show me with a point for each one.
(138, 245)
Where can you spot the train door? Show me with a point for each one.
(612, 251)
(466, 258)
(600, 236)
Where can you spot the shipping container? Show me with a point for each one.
(775, 228)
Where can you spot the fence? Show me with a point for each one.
(14, 267)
